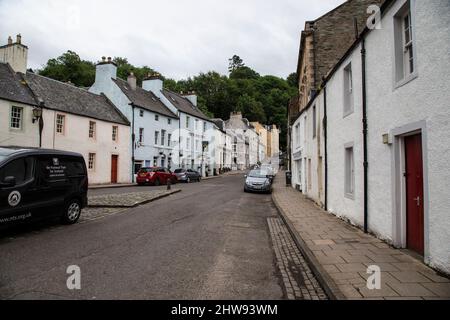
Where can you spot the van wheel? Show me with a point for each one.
(72, 212)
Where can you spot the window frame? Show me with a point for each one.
(92, 167)
(141, 135)
(314, 121)
(157, 117)
(115, 135)
(20, 119)
(93, 130)
(63, 124)
(348, 90)
(349, 171)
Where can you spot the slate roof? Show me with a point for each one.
(144, 99)
(184, 105)
(12, 87)
(219, 123)
(68, 98)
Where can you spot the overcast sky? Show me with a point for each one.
(179, 38)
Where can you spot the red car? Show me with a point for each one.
(155, 176)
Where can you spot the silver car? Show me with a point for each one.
(258, 181)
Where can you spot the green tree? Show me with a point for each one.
(70, 67)
(234, 63)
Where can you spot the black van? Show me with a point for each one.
(38, 183)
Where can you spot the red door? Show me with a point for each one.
(114, 162)
(414, 193)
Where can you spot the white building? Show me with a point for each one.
(70, 118)
(407, 89)
(223, 146)
(154, 124)
(195, 132)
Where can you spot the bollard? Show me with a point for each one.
(169, 184)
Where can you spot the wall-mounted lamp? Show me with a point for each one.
(37, 114)
(387, 139)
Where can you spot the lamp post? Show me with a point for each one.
(37, 116)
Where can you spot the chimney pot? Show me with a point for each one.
(109, 59)
(132, 81)
(10, 41)
(103, 59)
(19, 39)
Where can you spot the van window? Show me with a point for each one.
(51, 168)
(21, 169)
(75, 167)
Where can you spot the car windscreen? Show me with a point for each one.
(257, 174)
(179, 171)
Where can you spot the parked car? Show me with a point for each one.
(258, 181)
(268, 170)
(37, 183)
(155, 176)
(188, 175)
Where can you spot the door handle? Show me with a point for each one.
(418, 201)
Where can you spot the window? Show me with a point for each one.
(141, 113)
(91, 161)
(349, 172)
(92, 126)
(188, 120)
(204, 126)
(188, 143)
(16, 117)
(115, 131)
(197, 145)
(21, 169)
(348, 90)
(297, 135)
(314, 120)
(169, 139)
(169, 121)
(404, 44)
(155, 161)
(60, 123)
(141, 135)
(156, 117)
(196, 124)
(156, 137)
(163, 137)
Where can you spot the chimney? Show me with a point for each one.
(153, 83)
(192, 97)
(105, 71)
(132, 81)
(15, 54)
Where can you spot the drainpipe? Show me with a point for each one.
(133, 138)
(364, 121)
(325, 129)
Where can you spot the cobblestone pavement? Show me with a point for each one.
(343, 254)
(298, 279)
(90, 214)
(128, 200)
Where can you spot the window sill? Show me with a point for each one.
(405, 80)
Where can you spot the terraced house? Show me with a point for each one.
(378, 124)
(36, 111)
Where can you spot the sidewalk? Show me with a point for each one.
(339, 254)
(111, 186)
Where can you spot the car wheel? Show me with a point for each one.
(188, 180)
(199, 179)
(157, 183)
(72, 212)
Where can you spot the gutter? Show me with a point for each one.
(133, 140)
(365, 129)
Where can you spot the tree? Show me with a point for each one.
(244, 73)
(235, 63)
(70, 67)
(292, 80)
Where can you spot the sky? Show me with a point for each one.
(178, 38)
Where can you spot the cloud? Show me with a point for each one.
(178, 38)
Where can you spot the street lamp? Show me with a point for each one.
(37, 116)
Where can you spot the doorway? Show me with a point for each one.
(114, 164)
(414, 193)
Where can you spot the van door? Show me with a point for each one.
(53, 183)
(17, 202)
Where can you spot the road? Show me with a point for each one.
(211, 241)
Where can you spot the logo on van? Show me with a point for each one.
(55, 161)
(14, 198)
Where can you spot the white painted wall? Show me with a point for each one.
(76, 139)
(27, 136)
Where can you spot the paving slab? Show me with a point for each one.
(128, 200)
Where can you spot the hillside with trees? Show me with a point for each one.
(259, 98)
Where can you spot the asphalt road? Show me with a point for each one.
(211, 241)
